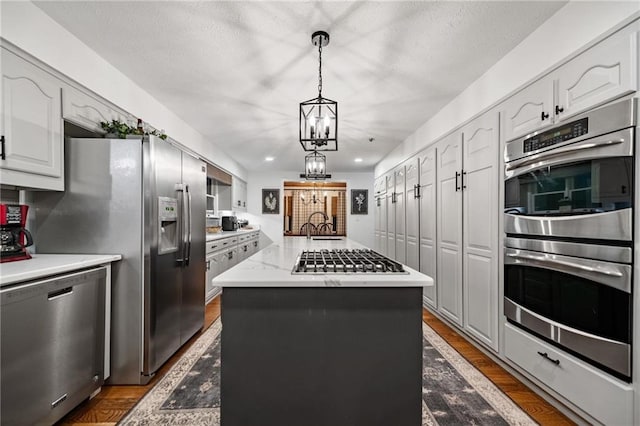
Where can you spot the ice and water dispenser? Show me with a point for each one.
(168, 229)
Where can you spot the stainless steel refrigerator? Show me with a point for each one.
(144, 199)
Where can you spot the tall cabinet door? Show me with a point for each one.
(383, 210)
(399, 207)
(391, 216)
(449, 230)
(480, 228)
(427, 202)
(412, 213)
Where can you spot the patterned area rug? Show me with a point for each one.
(453, 391)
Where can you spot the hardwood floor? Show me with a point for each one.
(113, 402)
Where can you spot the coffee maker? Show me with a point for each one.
(14, 238)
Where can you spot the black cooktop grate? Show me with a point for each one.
(345, 261)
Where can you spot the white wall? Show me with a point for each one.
(29, 28)
(567, 31)
(360, 228)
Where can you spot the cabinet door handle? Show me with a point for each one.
(208, 265)
(544, 116)
(416, 193)
(559, 109)
(457, 186)
(464, 186)
(3, 154)
(546, 356)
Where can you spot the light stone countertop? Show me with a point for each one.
(44, 265)
(272, 266)
(226, 234)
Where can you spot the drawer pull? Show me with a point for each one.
(60, 293)
(546, 356)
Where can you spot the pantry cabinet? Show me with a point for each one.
(427, 222)
(32, 154)
(480, 182)
(605, 72)
(449, 226)
(399, 206)
(391, 215)
(380, 231)
(412, 213)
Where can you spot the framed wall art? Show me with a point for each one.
(359, 201)
(270, 201)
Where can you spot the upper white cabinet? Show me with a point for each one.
(480, 185)
(239, 194)
(605, 72)
(449, 226)
(32, 149)
(529, 110)
(412, 213)
(87, 112)
(427, 226)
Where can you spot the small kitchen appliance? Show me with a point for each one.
(14, 238)
(229, 223)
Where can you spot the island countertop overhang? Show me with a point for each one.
(272, 267)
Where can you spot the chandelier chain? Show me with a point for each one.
(320, 69)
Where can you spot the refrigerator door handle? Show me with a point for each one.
(188, 239)
(182, 188)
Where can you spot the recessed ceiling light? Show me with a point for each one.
(269, 158)
(358, 160)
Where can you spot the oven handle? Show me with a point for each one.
(569, 152)
(607, 276)
(546, 259)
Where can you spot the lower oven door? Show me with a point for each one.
(582, 305)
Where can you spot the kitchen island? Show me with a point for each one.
(319, 348)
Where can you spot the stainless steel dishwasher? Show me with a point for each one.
(52, 347)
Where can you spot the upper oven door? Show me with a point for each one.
(580, 190)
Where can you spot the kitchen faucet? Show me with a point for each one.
(309, 222)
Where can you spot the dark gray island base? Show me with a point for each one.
(321, 356)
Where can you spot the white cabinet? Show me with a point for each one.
(608, 400)
(87, 112)
(239, 194)
(380, 227)
(214, 268)
(32, 149)
(391, 216)
(449, 227)
(412, 213)
(605, 72)
(467, 228)
(480, 184)
(399, 213)
(529, 110)
(427, 227)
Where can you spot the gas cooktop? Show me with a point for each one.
(345, 261)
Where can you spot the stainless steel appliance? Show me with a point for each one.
(144, 199)
(569, 200)
(52, 345)
(14, 238)
(229, 223)
(345, 261)
(574, 180)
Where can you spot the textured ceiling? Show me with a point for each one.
(237, 70)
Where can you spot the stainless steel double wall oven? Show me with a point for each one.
(569, 200)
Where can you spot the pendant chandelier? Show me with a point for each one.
(315, 167)
(311, 196)
(319, 116)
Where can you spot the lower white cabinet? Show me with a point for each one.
(606, 399)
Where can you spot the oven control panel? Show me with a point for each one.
(557, 135)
